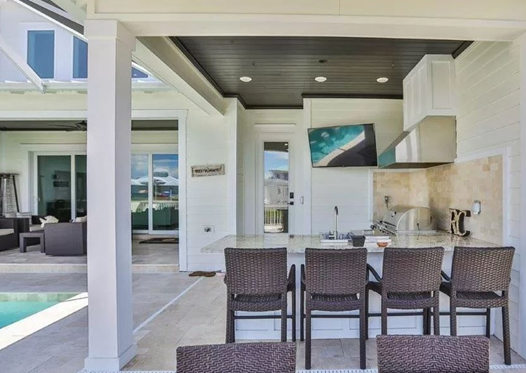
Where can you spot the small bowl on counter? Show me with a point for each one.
(383, 244)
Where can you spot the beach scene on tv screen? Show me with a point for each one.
(343, 146)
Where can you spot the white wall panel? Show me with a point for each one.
(488, 118)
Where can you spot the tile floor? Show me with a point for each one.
(197, 317)
(142, 255)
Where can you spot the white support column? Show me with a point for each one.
(522, 248)
(111, 343)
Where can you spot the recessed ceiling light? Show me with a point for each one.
(245, 79)
(320, 79)
(382, 79)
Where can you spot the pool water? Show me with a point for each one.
(13, 311)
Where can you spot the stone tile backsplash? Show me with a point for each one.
(449, 186)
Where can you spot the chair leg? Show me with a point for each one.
(284, 319)
(506, 335)
(436, 320)
(308, 346)
(363, 351)
(425, 322)
(488, 322)
(366, 314)
(384, 319)
(452, 319)
(294, 324)
(230, 327)
(302, 313)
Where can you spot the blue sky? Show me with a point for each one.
(165, 161)
(275, 161)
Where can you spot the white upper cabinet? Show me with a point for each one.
(429, 90)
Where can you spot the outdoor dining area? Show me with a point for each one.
(338, 283)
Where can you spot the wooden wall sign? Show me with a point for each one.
(456, 222)
(208, 170)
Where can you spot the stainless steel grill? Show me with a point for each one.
(406, 219)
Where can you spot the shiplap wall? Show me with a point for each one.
(488, 86)
(350, 188)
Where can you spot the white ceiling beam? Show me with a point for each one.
(504, 20)
(171, 66)
(21, 64)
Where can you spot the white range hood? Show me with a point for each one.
(429, 136)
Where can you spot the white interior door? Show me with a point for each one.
(275, 180)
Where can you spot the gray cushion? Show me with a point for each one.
(6, 232)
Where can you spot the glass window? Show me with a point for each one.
(139, 191)
(165, 192)
(276, 169)
(41, 53)
(138, 74)
(80, 59)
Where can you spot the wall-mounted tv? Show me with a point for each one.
(343, 146)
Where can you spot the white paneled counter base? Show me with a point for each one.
(349, 328)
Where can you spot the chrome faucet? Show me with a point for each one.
(336, 222)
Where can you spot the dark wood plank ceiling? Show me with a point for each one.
(283, 68)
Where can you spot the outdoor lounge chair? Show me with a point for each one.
(66, 239)
(8, 234)
(238, 358)
(432, 354)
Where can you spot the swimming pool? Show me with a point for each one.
(17, 306)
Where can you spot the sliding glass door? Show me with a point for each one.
(155, 193)
(61, 189)
(61, 186)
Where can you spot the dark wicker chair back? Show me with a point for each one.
(481, 269)
(256, 271)
(432, 354)
(237, 358)
(329, 271)
(412, 270)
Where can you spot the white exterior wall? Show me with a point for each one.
(209, 199)
(350, 188)
(488, 87)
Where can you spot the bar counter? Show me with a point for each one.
(296, 244)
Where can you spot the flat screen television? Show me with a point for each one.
(343, 146)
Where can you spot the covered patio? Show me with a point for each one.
(142, 303)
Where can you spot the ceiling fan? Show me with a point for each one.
(79, 126)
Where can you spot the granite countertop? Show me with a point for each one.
(296, 244)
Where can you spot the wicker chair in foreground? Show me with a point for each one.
(256, 281)
(478, 275)
(410, 280)
(333, 281)
(432, 354)
(238, 358)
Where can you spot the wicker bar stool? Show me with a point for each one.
(411, 280)
(334, 281)
(432, 354)
(478, 275)
(256, 281)
(237, 358)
